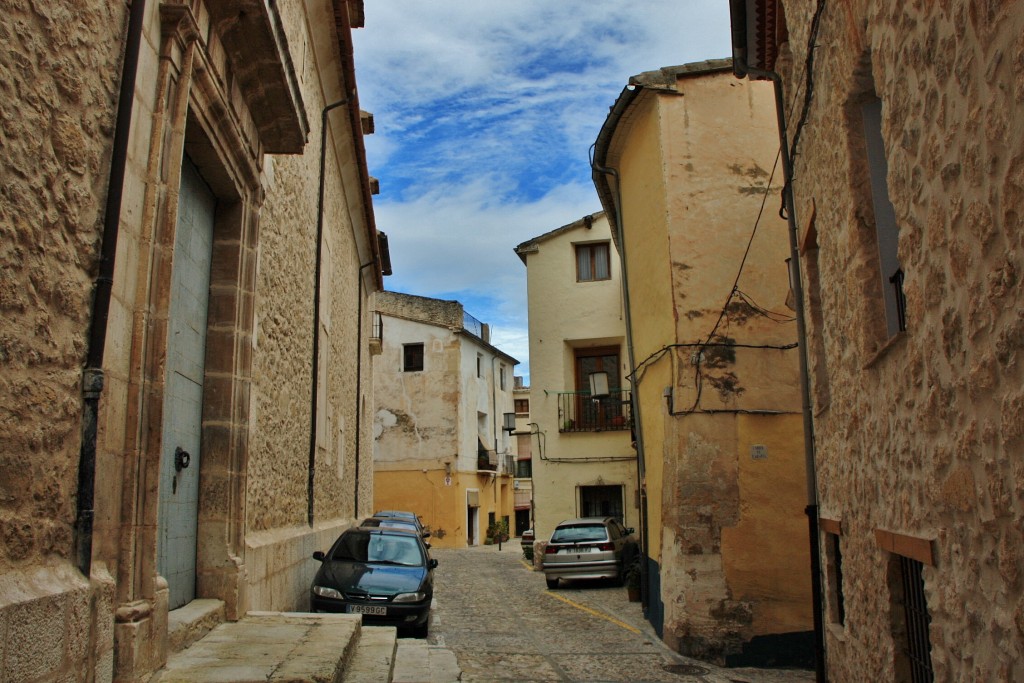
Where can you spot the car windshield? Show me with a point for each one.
(379, 549)
(579, 532)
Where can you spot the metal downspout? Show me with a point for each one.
(315, 380)
(359, 384)
(92, 374)
(634, 400)
(796, 283)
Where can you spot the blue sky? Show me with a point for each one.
(485, 111)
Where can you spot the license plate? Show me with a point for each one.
(576, 551)
(367, 609)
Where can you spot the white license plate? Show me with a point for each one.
(576, 551)
(367, 609)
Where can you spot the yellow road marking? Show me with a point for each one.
(528, 566)
(594, 612)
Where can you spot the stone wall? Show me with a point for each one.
(918, 435)
(57, 118)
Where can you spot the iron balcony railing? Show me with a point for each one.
(579, 412)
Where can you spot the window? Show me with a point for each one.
(412, 357)
(592, 262)
(522, 406)
(911, 621)
(479, 365)
(524, 469)
(834, 572)
(601, 501)
(886, 230)
(501, 374)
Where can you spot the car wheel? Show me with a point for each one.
(552, 583)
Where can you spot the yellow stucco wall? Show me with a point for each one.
(644, 203)
(443, 506)
(765, 555)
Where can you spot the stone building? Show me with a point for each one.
(583, 464)
(442, 392)
(904, 129)
(713, 362)
(162, 228)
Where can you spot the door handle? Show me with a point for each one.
(181, 459)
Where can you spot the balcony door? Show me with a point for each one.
(598, 414)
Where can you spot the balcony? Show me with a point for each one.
(578, 412)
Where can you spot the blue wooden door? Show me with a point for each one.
(183, 397)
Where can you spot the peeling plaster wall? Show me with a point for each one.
(922, 434)
(729, 530)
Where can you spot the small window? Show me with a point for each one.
(502, 377)
(886, 228)
(834, 572)
(412, 357)
(522, 406)
(592, 262)
(479, 365)
(911, 620)
(524, 469)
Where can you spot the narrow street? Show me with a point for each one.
(502, 623)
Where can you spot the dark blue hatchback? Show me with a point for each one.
(383, 574)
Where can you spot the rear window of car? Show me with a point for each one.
(579, 532)
(381, 548)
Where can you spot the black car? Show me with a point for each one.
(383, 574)
(395, 523)
(403, 515)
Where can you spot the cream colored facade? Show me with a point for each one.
(224, 148)
(919, 427)
(583, 461)
(716, 368)
(441, 390)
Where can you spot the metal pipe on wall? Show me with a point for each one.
(92, 375)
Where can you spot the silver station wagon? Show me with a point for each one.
(589, 548)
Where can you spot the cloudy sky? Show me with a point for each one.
(485, 111)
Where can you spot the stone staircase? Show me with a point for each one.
(289, 647)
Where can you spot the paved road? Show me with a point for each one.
(503, 624)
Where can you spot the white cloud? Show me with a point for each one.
(484, 114)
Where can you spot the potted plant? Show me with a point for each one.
(632, 579)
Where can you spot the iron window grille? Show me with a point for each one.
(918, 647)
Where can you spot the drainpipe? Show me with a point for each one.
(638, 431)
(92, 374)
(742, 70)
(316, 309)
(359, 383)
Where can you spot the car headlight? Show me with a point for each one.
(325, 592)
(410, 597)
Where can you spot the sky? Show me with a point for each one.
(485, 112)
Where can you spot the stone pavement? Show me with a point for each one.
(493, 620)
(502, 623)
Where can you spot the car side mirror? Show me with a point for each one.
(319, 556)
(426, 534)
(432, 564)
(630, 530)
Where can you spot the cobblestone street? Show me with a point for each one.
(503, 624)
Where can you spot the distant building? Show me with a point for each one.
(905, 129)
(441, 394)
(583, 460)
(523, 483)
(715, 375)
(182, 387)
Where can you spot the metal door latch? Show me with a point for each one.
(181, 461)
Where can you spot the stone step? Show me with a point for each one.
(269, 647)
(190, 623)
(416, 661)
(374, 656)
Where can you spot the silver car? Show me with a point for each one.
(589, 548)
